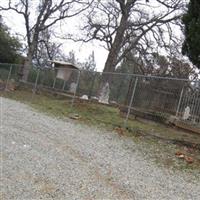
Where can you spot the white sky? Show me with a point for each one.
(82, 50)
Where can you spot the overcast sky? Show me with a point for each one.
(82, 50)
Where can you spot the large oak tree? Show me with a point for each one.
(132, 25)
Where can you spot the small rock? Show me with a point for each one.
(75, 116)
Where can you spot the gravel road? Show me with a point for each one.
(50, 158)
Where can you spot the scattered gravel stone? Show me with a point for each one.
(49, 158)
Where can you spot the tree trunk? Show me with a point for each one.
(27, 65)
(112, 58)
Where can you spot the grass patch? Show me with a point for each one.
(108, 117)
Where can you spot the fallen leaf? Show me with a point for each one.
(189, 160)
(179, 155)
(120, 131)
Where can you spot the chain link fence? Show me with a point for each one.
(150, 97)
(189, 103)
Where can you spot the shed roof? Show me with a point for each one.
(62, 64)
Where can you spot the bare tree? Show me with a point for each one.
(47, 49)
(126, 25)
(39, 16)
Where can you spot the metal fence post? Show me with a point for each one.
(36, 83)
(92, 85)
(54, 83)
(77, 83)
(179, 102)
(8, 78)
(131, 102)
(64, 84)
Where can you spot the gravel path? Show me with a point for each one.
(49, 158)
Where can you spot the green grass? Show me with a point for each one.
(110, 118)
(98, 115)
(93, 114)
(90, 113)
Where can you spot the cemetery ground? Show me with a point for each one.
(53, 151)
(142, 131)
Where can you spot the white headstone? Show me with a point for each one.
(85, 97)
(72, 88)
(104, 95)
(186, 114)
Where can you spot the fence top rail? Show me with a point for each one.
(114, 73)
(150, 76)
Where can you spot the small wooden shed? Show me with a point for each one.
(64, 69)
